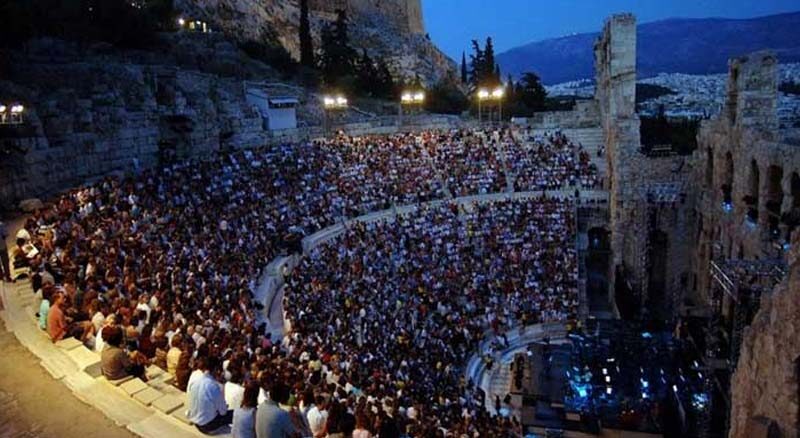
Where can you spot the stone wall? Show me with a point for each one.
(740, 153)
(747, 204)
(584, 115)
(637, 217)
(765, 384)
(116, 118)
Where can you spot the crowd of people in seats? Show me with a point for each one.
(161, 268)
(394, 309)
(469, 160)
(380, 171)
(551, 162)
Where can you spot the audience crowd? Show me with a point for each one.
(551, 162)
(161, 268)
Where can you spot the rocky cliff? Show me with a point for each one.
(765, 387)
(391, 29)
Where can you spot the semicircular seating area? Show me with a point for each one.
(383, 317)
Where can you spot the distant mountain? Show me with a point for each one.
(676, 45)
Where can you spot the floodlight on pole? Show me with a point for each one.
(483, 94)
(17, 109)
(2, 109)
(181, 22)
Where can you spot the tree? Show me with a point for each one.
(385, 86)
(531, 92)
(337, 58)
(446, 98)
(510, 88)
(463, 68)
(477, 65)
(489, 69)
(306, 43)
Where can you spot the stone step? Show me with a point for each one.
(133, 386)
(148, 396)
(113, 403)
(161, 425)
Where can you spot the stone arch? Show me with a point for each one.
(727, 180)
(752, 198)
(774, 199)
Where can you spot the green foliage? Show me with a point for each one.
(446, 98)
(483, 72)
(123, 23)
(464, 74)
(337, 59)
(306, 43)
(373, 79)
(645, 92)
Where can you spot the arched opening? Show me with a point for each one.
(709, 168)
(751, 200)
(658, 303)
(792, 217)
(727, 182)
(774, 200)
(598, 258)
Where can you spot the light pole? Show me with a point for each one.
(410, 99)
(11, 115)
(330, 104)
(496, 95)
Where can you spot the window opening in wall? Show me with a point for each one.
(751, 200)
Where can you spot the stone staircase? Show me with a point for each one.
(151, 409)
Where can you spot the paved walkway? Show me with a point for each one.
(33, 404)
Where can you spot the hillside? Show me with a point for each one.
(678, 45)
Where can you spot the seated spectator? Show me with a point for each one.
(207, 409)
(115, 362)
(271, 420)
(56, 319)
(244, 415)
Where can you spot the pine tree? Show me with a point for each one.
(477, 73)
(306, 43)
(337, 58)
(497, 76)
(489, 66)
(510, 87)
(463, 68)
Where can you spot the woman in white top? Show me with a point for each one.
(234, 391)
(244, 416)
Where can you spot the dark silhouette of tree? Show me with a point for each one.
(337, 59)
(464, 77)
(445, 98)
(477, 72)
(489, 67)
(531, 92)
(306, 43)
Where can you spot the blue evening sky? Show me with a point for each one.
(453, 23)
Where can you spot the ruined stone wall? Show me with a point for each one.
(746, 206)
(584, 115)
(732, 149)
(632, 175)
(765, 383)
(87, 120)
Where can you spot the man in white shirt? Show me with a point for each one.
(207, 409)
(317, 415)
